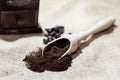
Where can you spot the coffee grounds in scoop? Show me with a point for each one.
(38, 63)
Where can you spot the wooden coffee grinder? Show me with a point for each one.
(19, 16)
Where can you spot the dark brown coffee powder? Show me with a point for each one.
(49, 61)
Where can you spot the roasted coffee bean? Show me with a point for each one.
(54, 38)
(45, 40)
(57, 35)
(49, 30)
(52, 33)
(61, 30)
(57, 29)
(61, 27)
(53, 29)
(69, 33)
(50, 38)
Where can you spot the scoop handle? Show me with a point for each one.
(100, 26)
(75, 38)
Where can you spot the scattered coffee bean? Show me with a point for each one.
(53, 33)
(45, 41)
(57, 35)
(57, 29)
(69, 33)
(61, 31)
(49, 30)
(50, 38)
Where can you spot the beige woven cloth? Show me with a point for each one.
(100, 57)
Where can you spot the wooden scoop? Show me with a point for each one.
(75, 39)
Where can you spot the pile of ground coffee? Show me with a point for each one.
(49, 61)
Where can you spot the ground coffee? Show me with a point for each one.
(36, 62)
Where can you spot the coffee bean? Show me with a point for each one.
(49, 30)
(52, 33)
(61, 31)
(69, 33)
(53, 29)
(57, 35)
(57, 29)
(45, 40)
(50, 38)
(61, 27)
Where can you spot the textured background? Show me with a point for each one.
(100, 56)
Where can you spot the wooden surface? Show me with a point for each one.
(98, 59)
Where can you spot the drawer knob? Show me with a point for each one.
(9, 2)
(20, 20)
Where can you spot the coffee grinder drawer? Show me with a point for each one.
(19, 19)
